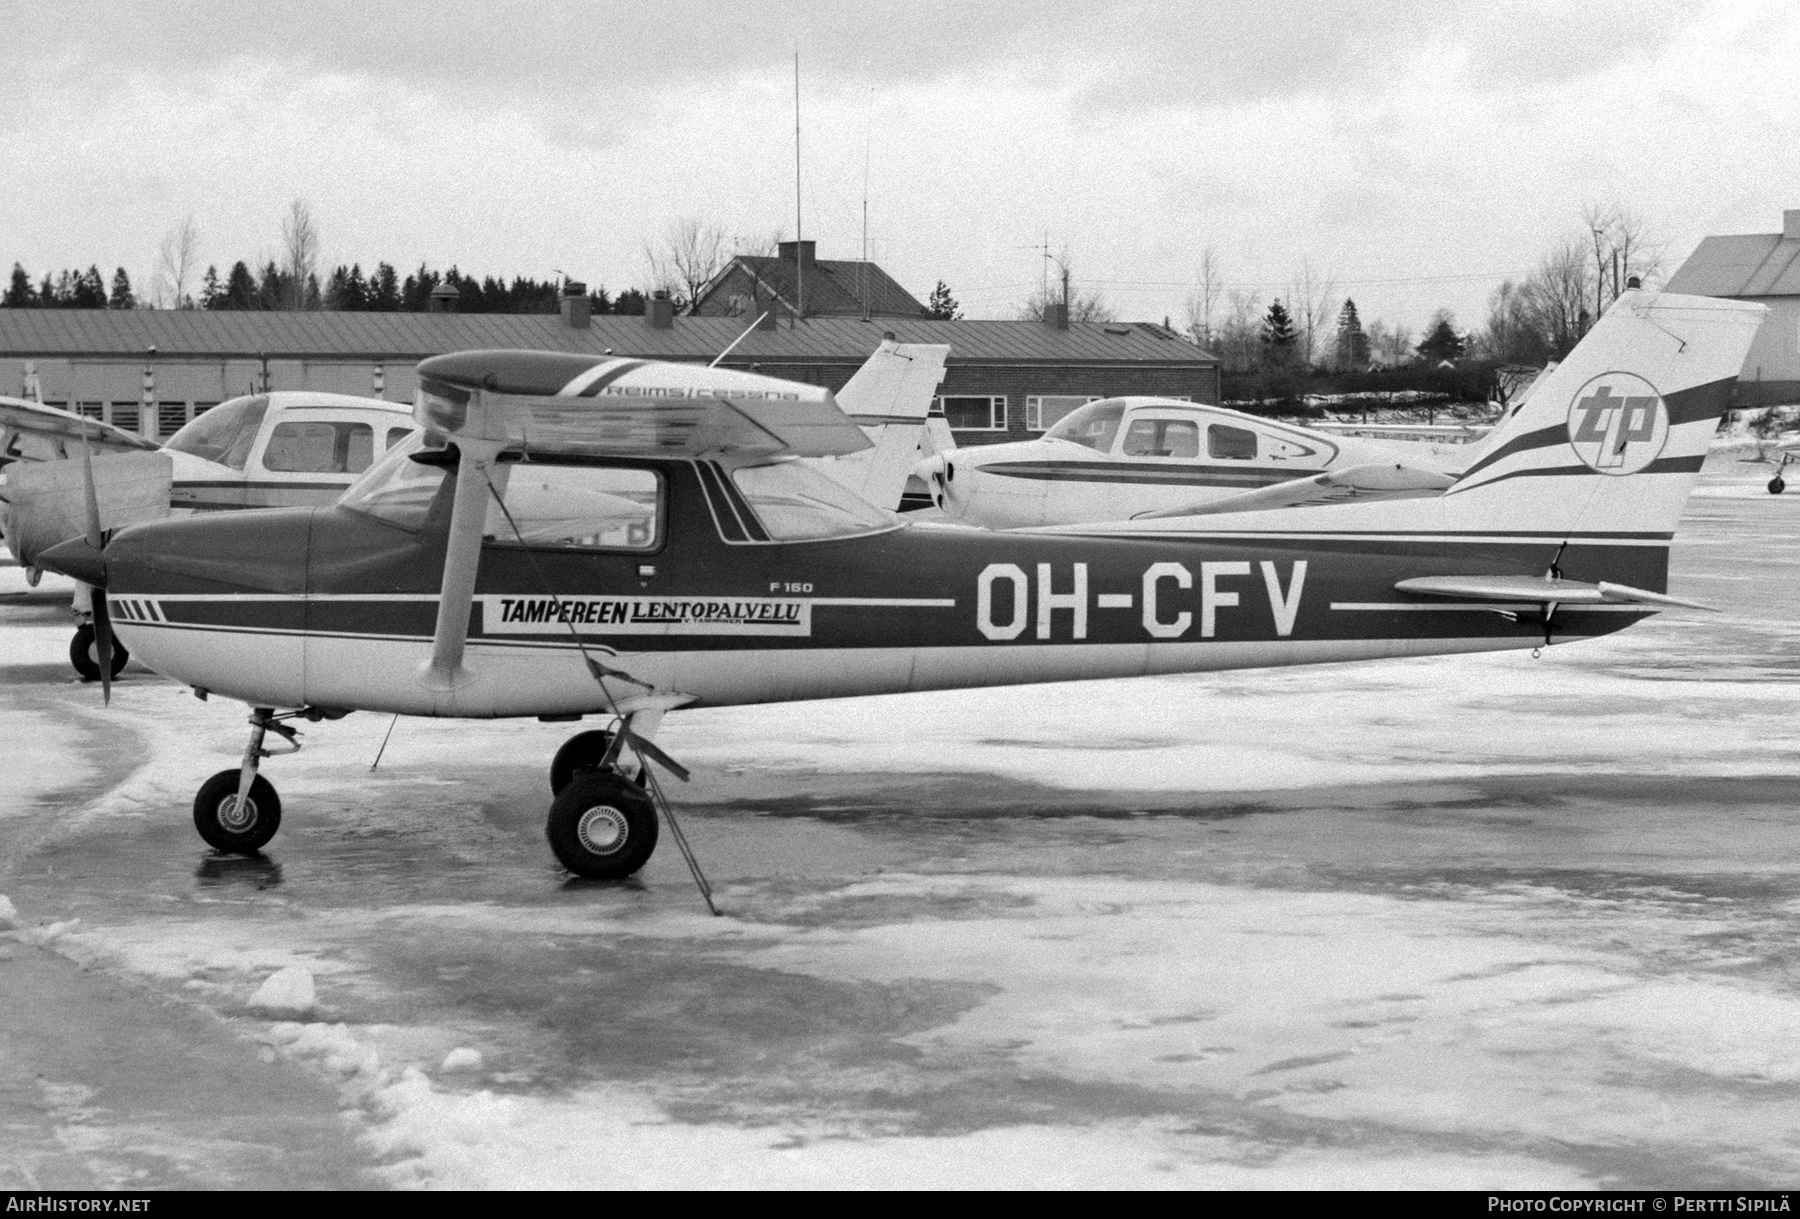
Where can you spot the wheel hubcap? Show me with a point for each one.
(602, 830)
(235, 818)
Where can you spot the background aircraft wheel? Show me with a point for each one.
(84, 654)
(579, 755)
(602, 827)
(219, 821)
(1777, 485)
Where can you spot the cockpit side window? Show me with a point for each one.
(225, 433)
(398, 489)
(1162, 438)
(1231, 443)
(1093, 425)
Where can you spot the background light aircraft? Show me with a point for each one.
(556, 547)
(1127, 457)
(1777, 453)
(280, 449)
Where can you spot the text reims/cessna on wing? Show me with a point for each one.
(556, 546)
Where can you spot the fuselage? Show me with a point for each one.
(713, 594)
(1118, 458)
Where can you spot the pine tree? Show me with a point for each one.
(942, 305)
(211, 292)
(1442, 343)
(121, 297)
(20, 294)
(1352, 343)
(1278, 329)
(90, 290)
(240, 288)
(384, 289)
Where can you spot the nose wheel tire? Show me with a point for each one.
(1777, 485)
(580, 754)
(602, 827)
(84, 654)
(228, 828)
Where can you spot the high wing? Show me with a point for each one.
(544, 402)
(35, 419)
(1374, 481)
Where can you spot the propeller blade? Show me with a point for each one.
(103, 644)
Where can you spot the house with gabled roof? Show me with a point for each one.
(796, 282)
(1765, 268)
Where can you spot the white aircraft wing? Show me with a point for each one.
(1374, 481)
(18, 415)
(1446, 431)
(544, 402)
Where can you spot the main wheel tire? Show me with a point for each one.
(84, 653)
(579, 755)
(1777, 485)
(217, 818)
(602, 827)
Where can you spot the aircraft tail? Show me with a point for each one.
(888, 398)
(1611, 441)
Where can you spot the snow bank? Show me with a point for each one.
(286, 991)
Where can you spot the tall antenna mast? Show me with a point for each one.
(799, 262)
(868, 139)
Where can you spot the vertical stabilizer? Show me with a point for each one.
(889, 397)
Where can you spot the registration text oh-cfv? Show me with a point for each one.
(1008, 602)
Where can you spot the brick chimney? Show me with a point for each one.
(1056, 315)
(806, 249)
(444, 299)
(1790, 224)
(661, 314)
(576, 307)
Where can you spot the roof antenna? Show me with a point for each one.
(799, 263)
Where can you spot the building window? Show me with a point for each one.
(169, 417)
(1044, 411)
(972, 414)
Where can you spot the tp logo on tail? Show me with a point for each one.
(1618, 423)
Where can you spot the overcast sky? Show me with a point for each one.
(1414, 152)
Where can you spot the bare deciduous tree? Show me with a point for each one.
(176, 259)
(1240, 335)
(1310, 301)
(300, 248)
(1203, 298)
(690, 253)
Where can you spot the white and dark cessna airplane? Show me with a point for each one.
(566, 537)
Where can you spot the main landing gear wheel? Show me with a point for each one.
(234, 830)
(84, 654)
(1777, 485)
(602, 827)
(581, 754)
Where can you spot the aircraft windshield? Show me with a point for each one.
(796, 503)
(1093, 425)
(396, 488)
(225, 433)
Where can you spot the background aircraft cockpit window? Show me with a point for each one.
(796, 503)
(225, 433)
(1234, 443)
(318, 446)
(398, 489)
(583, 506)
(1094, 425)
(1162, 438)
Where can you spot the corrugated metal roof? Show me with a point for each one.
(1749, 264)
(51, 333)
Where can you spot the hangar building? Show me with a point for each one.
(150, 371)
(1765, 268)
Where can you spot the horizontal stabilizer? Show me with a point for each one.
(1538, 589)
(36, 419)
(549, 402)
(1374, 481)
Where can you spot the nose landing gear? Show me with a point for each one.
(1777, 485)
(237, 811)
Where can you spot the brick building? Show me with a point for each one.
(150, 371)
(795, 282)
